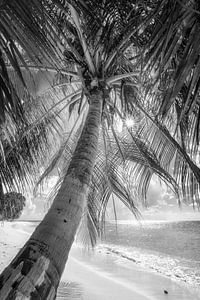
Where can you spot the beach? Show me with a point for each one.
(99, 275)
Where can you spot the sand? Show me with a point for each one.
(99, 276)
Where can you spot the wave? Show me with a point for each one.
(175, 268)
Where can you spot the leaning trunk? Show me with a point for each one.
(36, 270)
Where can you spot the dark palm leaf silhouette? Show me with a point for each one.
(172, 62)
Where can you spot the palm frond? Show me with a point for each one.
(66, 149)
(26, 147)
(87, 54)
(173, 158)
(172, 62)
(127, 178)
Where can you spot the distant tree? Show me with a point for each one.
(11, 205)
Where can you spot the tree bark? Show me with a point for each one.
(36, 270)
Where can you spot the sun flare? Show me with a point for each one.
(129, 122)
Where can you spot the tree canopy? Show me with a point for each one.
(11, 206)
(145, 53)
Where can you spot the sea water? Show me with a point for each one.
(170, 248)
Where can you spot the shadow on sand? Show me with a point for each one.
(69, 291)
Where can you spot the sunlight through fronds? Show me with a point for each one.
(144, 59)
(126, 177)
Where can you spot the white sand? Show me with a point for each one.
(99, 276)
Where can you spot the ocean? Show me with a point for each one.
(169, 248)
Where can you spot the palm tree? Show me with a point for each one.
(97, 40)
(116, 171)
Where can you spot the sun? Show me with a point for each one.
(130, 122)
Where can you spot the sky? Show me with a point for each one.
(162, 205)
(37, 205)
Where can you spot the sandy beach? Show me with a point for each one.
(99, 275)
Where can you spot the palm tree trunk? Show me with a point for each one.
(36, 271)
(1, 202)
(1, 190)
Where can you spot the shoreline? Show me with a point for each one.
(100, 276)
(122, 279)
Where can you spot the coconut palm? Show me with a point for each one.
(97, 40)
(116, 171)
(98, 66)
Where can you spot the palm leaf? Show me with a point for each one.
(173, 60)
(127, 178)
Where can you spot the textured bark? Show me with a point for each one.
(36, 271)
(1, 190)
